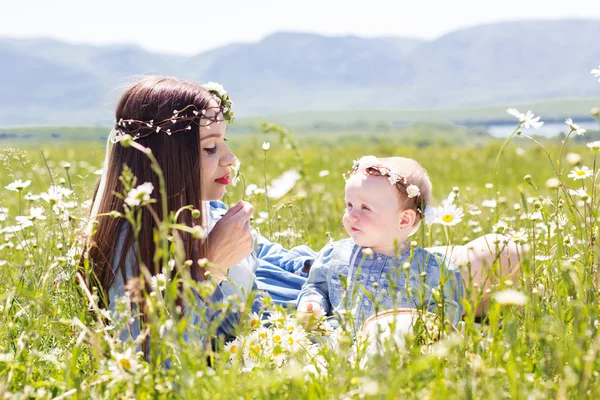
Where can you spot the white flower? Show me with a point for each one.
(31, 197)
(581, 173)
(266, 146)
(553, 183)
(394, 178)
(448, 215)
(17, 185)
(55, 194)
(236, 172)
(596, 73)
(528, 119)
(232, 348)
(594, 146)
(139, 194)
(36, 213)
(158, 282)
(217, 87)
(280, 186)
(413, 191)
(519, 236)
(579, 192)
(323, 173)
(510, 297)
(253, 189)
(367, 252)
(573, 158)
(367, 162)
(126, 361)
(500, 227)
(489, 203)
(574, 127)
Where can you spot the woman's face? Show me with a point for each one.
(215, 161)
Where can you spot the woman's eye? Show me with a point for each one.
(211, 150)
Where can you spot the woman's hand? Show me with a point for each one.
(230, 241)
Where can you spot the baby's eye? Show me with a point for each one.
(348, 206)
(364, 207)
(211, 150)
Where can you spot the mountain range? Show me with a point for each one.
(45, 81)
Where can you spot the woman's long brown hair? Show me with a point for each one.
(153, 98)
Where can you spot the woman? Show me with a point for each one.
(184, 125)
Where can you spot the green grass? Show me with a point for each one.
(50, 344)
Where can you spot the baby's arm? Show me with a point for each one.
(314, 296)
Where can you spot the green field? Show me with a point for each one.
(51, 345)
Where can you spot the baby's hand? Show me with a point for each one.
(309, 313)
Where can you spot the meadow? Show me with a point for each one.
(540, 338)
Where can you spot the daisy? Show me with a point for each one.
(448, 215)
(236, 172)
(139, 194)
(528, 119)
(17, 185)
(158, 282)
(126, 361)
(574, 127)
(580, 173)
(594, 146)
(36, 213)
(232, 348)
(510, 297)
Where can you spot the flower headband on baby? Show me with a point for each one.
(370, 165)
(190, 114)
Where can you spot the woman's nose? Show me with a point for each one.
(228, 159)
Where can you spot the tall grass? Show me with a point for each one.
(56, 342)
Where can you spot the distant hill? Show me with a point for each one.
(45, 81)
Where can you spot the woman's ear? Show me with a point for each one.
(407, 219)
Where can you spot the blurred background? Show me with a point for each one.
(313, 65)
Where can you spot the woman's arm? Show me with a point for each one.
(482, 261)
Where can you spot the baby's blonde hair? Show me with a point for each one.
(415, 175)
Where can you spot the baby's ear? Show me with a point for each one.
(407, 219)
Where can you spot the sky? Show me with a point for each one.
(193, 26)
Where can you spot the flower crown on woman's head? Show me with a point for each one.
(370, 165)
(191, 114)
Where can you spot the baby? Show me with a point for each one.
(376, 268)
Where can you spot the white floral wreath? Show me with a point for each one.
(370, 164)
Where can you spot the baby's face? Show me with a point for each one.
(372, 211)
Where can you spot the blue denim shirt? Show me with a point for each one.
(277, 273)
(381, 282)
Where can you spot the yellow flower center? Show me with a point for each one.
(233, 349)
(254, 323)
(291, 341)
(581, 172)
(262, 335)
(125, 363)
(276, 338)
(447, 218)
